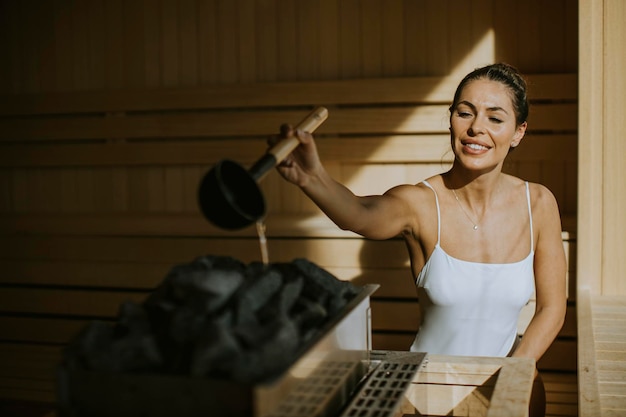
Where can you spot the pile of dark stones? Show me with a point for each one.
(216, 317)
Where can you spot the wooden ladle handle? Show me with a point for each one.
(280, 150)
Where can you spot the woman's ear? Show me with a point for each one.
(519, 135)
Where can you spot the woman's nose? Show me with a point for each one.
(477, 127)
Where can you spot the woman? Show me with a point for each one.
(480, 241)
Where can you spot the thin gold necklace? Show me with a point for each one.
(463, 209)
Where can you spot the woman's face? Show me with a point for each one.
(483, 125)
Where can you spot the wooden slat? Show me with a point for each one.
(41, 387)
(561, 393)
(449, 385)
(384, 120)
(413, 149)
(105, 306)
(35, 361)
(135, 275)
(589, 396)
(28, 372)
(612, 166)
(608, 315)
(172, 225)
(355, 91)
(63, 302)
(404, 316)
(395, 316)
(39, 330)
(514, 383)
(329, 252)
(561, 356)
(395, 283)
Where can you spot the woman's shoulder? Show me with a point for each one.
(542, 200)
(538, 192)
(543, 203)
(416, 190)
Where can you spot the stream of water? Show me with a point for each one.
(260, 229)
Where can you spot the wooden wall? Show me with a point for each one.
(601, 309)
(91, 217)
(86, 45)
(602, 197)
(68, 45)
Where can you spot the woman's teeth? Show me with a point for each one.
(476, 146)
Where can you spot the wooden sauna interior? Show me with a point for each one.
(111, 112)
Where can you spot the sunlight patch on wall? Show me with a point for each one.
(483, 53)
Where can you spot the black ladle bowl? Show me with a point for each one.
(229, 195)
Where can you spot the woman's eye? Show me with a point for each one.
(495, 120)
(464, 114)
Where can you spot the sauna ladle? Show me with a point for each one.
(229, 195)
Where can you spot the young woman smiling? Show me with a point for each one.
(480, 241)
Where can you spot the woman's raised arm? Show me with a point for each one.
(374, 217)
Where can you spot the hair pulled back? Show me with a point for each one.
(505, 74)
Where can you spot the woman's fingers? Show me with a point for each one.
(286, 130)
(304, 137)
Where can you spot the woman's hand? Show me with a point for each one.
(304, 162)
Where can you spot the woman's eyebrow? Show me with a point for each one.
(497, 108)
(466, 103)
(493, 108)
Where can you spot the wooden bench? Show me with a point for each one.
(601, 354)
(98, 197)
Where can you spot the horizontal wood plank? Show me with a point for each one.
(409, 149)
(356, 91)
(39, 330)
(102, 304)
(560, 356)
(174, 225)
(136, 262)
(263, 123)
(605, 353)
(388, 315)
(28, 372)
(395, 283)
(330, 252)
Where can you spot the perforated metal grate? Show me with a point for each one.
(381, 394)
(327, 391)
(323, 392)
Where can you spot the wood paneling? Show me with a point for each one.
(141, 151)
(602, 354)
(71, 46)
(111, 112)
(602, 197)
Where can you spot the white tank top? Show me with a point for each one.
(471, 308)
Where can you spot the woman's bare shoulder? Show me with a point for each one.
(544, 206)
(412, 191)
(541, 195)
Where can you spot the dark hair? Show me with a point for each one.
(507, 75)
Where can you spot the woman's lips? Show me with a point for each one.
(475, 147)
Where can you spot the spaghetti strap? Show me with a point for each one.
(438, 213)
(530, 216)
